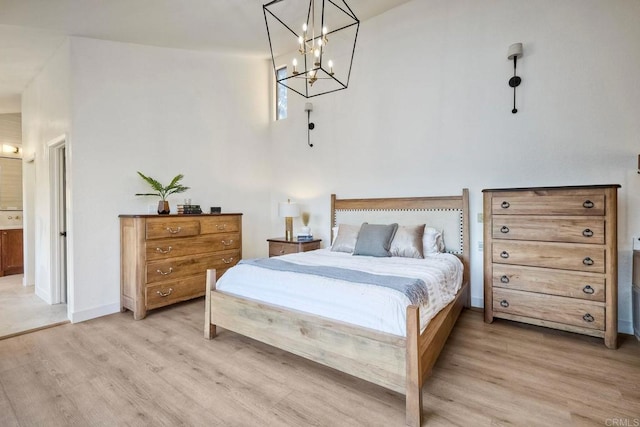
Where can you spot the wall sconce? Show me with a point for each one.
(515, 52)
(12, 149)
(308, 107)
(288, 211)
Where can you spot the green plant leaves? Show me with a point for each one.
(162, 191)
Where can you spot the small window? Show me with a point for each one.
(281, 94)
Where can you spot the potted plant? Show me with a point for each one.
(163, 191)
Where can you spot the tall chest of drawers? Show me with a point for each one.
(164, 258)
(550, 258)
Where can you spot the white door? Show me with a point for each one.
(57, 168)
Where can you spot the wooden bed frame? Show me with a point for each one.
(394, 362)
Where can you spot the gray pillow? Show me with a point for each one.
(346, 239)
(375, 239)
(408, 241)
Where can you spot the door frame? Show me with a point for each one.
(59, 205)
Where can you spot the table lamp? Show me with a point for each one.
(288, 211)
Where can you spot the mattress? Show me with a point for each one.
(370, 306)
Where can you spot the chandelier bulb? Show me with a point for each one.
(304, 27)
(324, 31)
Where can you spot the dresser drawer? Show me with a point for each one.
(170, 248)
(549, 229)
(504, 204)
(173, 291)
(574, 284)
(220, 224)
(277, 249)
(175, 268)
(576, 256)
(173, 227)
(225, 260)
(570, 311)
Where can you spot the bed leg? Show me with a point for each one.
(209, 329)
(413, 374)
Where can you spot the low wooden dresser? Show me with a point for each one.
(164, 258)
(550, 258)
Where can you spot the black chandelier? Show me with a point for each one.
(316, 41)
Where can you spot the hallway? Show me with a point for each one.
(21, 311)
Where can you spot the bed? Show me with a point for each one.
(399, 362)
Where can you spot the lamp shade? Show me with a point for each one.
(288, 209)
(515, 51)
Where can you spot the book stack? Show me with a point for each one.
(189, 209)
(304, 237)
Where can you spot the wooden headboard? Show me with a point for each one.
(447, 213)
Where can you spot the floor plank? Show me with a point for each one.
(160, 371)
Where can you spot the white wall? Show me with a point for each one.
(159, 111)
(428, 112)
(45, 116)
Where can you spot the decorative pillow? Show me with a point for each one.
(334, 232)
(408, 241)
(432, 241)
(375, 239)
(346, 238)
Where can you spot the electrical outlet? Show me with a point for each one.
(480, 245)
(636, 243)
(480, 218)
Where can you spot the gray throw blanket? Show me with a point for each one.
(414, 289)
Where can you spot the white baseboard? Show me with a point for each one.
(477, 302)
(92, 313)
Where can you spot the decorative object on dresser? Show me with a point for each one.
(164, 259)
(281, 246)
(551, 259)
(288, 211)
(163, 191)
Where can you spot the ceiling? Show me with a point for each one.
(32, 30)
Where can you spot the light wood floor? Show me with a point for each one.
(22, 311)
(159, 371)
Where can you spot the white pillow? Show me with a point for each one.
(408, 241)
(432, 241)
(346, 238)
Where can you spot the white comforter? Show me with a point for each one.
(370, 306)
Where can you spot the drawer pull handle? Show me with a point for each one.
(587, 233)
(225, 243)
(588, 290)
(167, 273)
(221, 226)
(587, 261)
(504, 303)
(504, 279)
(165, 294)
(162, 251)
(174, 230)
(281, 251)
(588, 204)
(504, 254)
(504, 229)
(588, 318)
(505, 205)
(227, 261)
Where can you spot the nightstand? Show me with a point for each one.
(280, 246)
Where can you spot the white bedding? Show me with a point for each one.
(370, 306)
